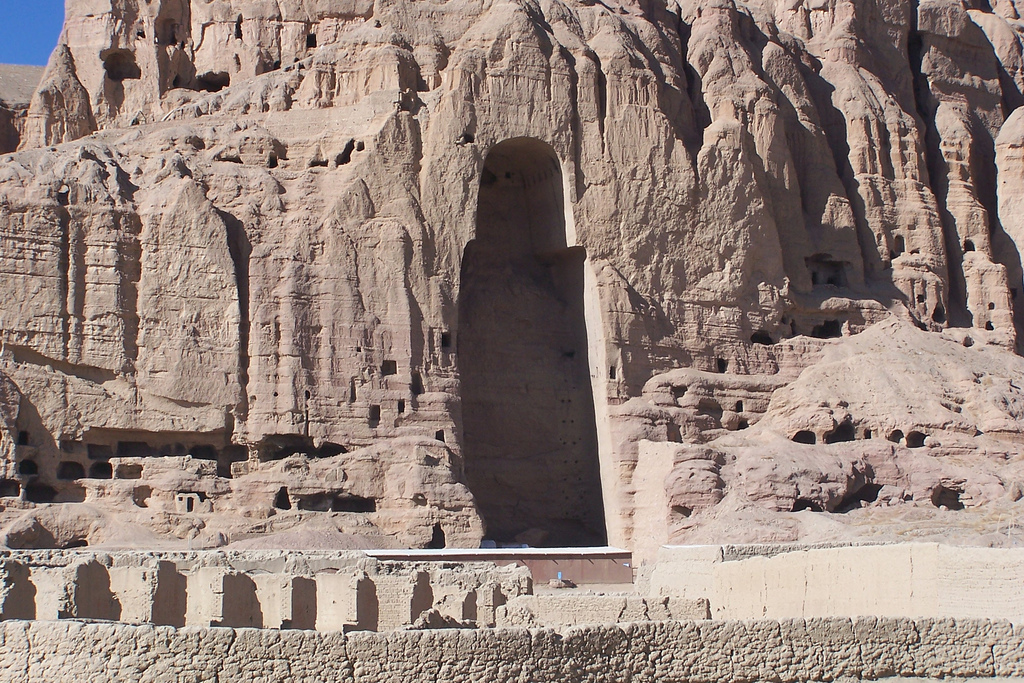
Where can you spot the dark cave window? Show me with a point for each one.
(69, 471)
(98, 451)
(40, 493)
(437, 540)
(681, 511)
(842, 433)
(120, 65)
(213, 81)
(203, 452)
(101, 470)
(868, 493)
(346, 153)
(826, 271)
(805, 436)
(353, 504)
(915, 440)
(948, 498)
(829, 329)
(129, 471)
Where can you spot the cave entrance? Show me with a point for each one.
(529, 427)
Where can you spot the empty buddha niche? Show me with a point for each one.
(527, 404)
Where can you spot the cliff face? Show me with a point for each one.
(590, 271)
(17, 84)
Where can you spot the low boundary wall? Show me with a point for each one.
(916, 580)
(603, 565)
(325, 591)
(695, 652)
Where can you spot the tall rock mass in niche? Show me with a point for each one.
(417, 274)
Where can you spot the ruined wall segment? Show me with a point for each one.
(917, 580)
(799, 650)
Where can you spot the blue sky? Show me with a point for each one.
(29, 30)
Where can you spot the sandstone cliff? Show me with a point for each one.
(17, 84)
(553, 272)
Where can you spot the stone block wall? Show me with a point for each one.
(897, 580)
(271, 590)
(692, 651)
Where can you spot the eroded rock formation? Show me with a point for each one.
(17, 84)
(544, 272)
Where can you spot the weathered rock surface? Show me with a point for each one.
(17, 84)
(554, 272)
(797, 649)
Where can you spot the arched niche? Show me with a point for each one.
(529, 428)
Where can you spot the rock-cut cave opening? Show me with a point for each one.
(529, 427)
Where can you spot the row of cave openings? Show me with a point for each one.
(831, 328)
(67, 470)
(32, 487)
(826, 271)
(33, 490)
(942, 496)
(120, 64)
(947, 497)
(276, 447)
(344, 502)
(826, 329)
(846, 431)
(318, 160)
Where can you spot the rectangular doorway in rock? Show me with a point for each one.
(529, 428)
